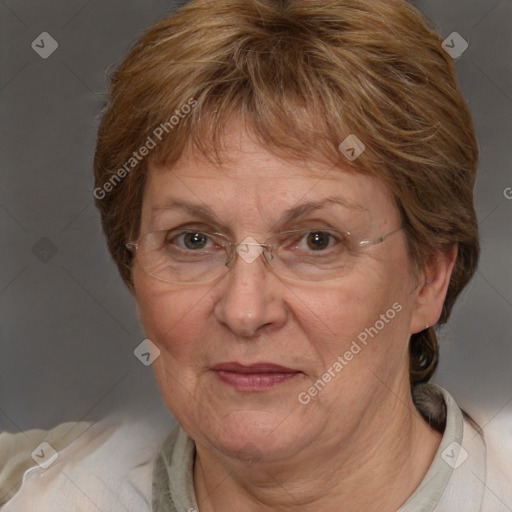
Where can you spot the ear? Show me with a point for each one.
(431, 290)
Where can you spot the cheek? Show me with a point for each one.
(168, 314)
(339, 312)
(365, 317)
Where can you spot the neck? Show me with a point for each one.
(376, 468)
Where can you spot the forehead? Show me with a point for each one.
(243, 156)
(250, 177)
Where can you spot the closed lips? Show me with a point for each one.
(253, 368)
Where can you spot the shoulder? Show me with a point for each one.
(108, 466)
(471, 469)
(22, 450)
(481, 471)
(497, 435)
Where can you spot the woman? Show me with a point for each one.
(286, 188)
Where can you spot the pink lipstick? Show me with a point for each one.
(254, 377)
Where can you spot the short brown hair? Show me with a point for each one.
(302, 75)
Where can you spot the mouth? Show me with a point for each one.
(254, 377)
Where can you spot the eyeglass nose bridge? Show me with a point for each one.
(249, 256)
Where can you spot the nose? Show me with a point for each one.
(250, 297)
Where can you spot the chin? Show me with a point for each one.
(258, 435)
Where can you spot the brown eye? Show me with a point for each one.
(318, 240)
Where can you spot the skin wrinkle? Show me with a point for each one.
(363, 422)
(347, 76)
(376, 70)
(174, 206)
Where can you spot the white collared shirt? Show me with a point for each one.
(113, 467)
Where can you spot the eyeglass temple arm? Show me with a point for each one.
(380, 239)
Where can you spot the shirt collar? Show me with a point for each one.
(443, 484)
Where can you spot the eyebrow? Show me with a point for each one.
(304, 208)
(288, 215)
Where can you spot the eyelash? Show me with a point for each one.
(177, 234)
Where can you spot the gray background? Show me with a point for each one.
(68, 325)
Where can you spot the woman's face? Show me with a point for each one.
(349, 336)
